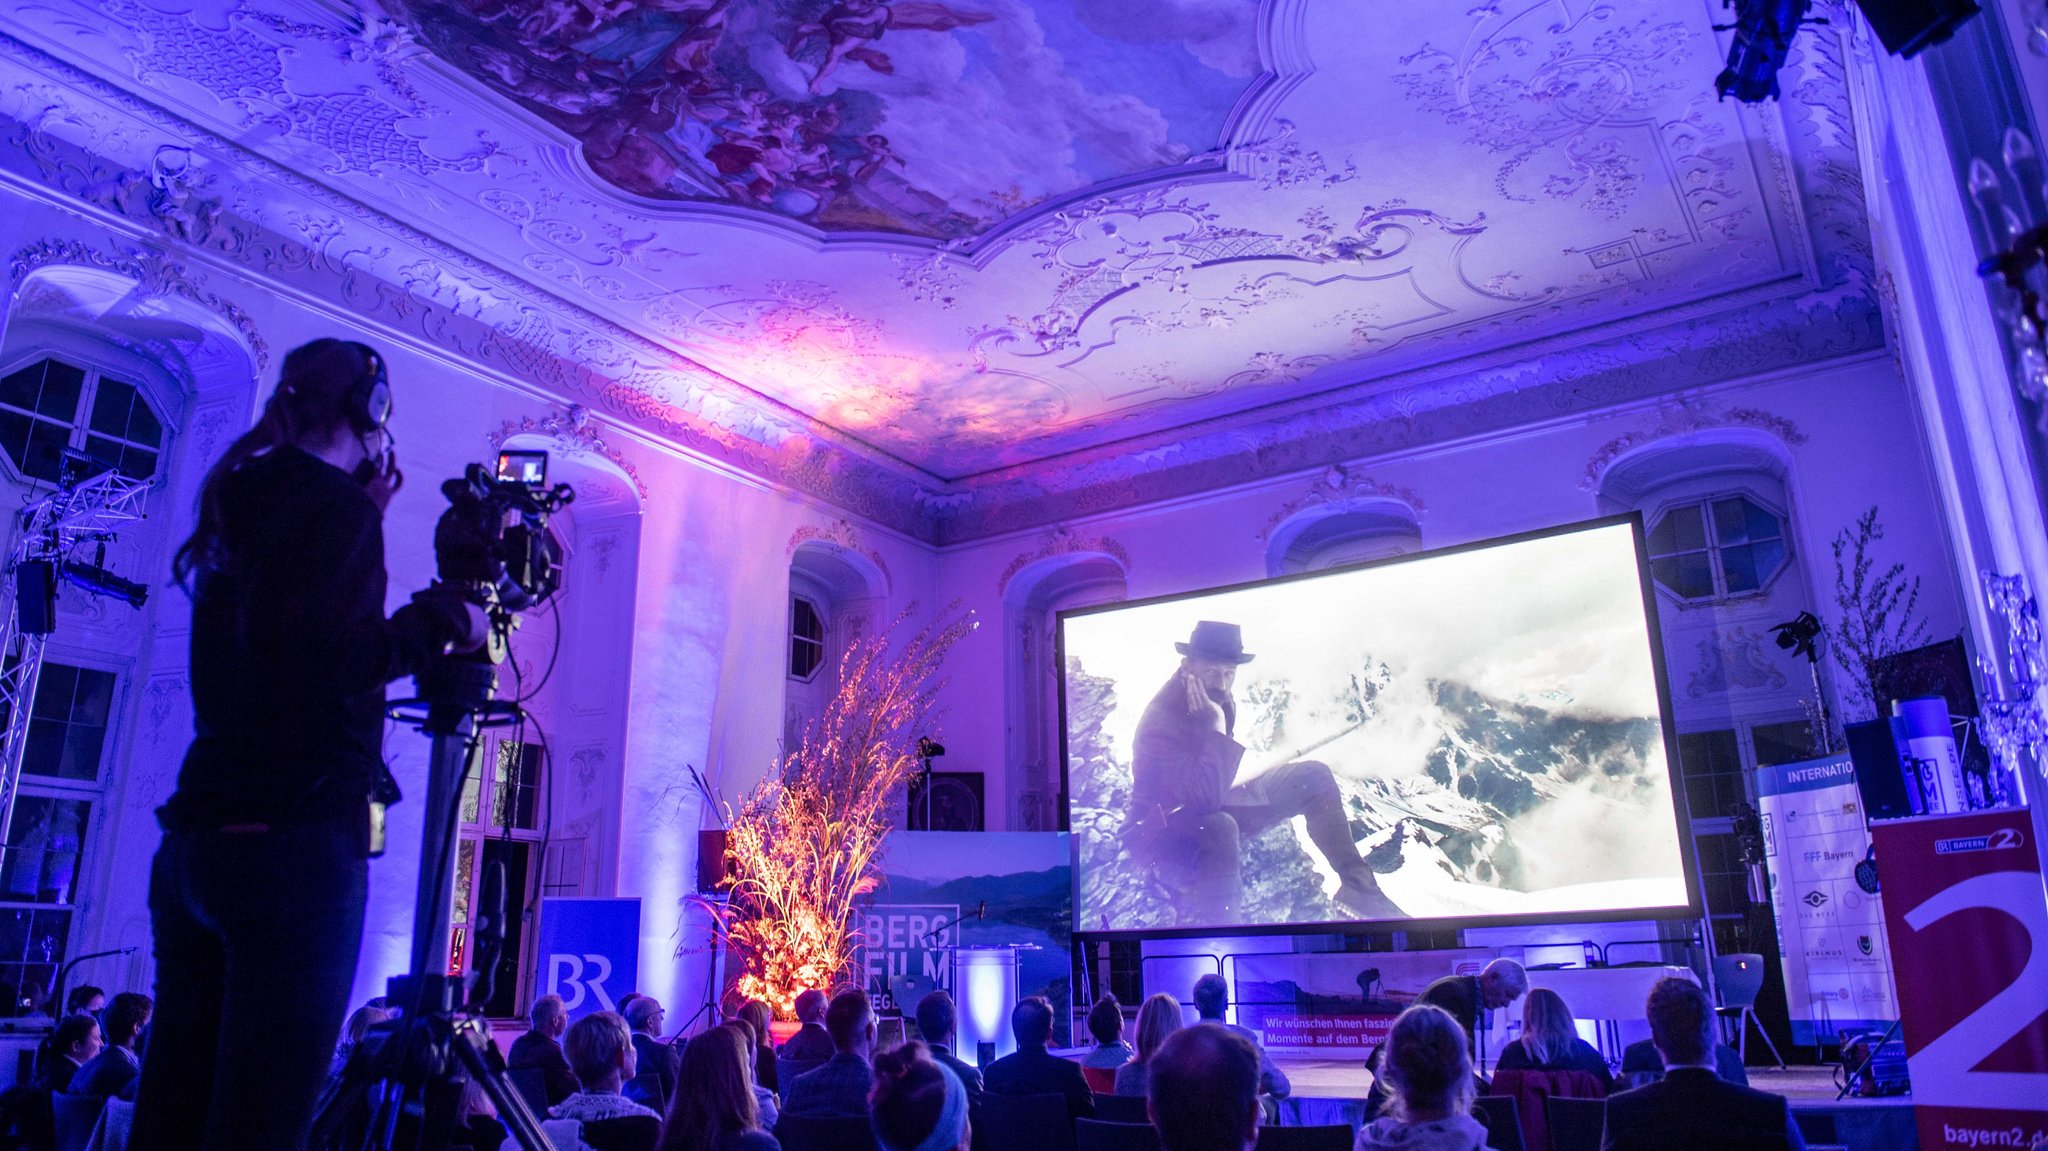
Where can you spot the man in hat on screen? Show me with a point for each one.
(1184, 764)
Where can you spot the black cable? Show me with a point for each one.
(554, 654)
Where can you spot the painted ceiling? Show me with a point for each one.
(971, 264)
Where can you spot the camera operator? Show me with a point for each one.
(257, 892)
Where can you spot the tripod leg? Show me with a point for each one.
(521, 1125)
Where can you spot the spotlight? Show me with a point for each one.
(100, 581)
(930, 748)
(1797, 635)
(1763, 34)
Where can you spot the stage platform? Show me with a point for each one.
(1333, 1091)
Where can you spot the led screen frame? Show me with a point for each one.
(1692, 909)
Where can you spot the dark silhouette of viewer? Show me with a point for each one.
(1184, 767)
(114, 1070)
(1550, 1041)
(936, 1021)
(918, 1103)
(1031, 1069)
(811, 1041)
(1212, 998)
(600, 1049)
(1428, 1074)
(1692, 1108)
(1204, 1093)
(840, 1087)
(1158, 1017)
(540, 1049)
(657, 1058)
(715, 1107)
(74, 1043)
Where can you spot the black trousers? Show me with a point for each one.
(1204, 849)
(257, 934)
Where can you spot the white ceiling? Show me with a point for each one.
(1394, 195)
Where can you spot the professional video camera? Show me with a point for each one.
(493, 544)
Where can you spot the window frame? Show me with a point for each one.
(92, 358)
(823, 639)
(482, 830)
(1703, 502)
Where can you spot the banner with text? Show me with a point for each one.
(943, 890)
(1968, 916)
(1838, 973)
(1337, 1004)
(589, 952)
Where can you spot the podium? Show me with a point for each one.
(985, 985)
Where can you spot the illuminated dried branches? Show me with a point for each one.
(804, 846)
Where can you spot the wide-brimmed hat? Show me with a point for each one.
(1222, 642)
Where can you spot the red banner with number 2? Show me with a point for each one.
(1968, 918)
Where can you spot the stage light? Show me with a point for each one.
(1763, 34)
(100, 581)
(1797, 635)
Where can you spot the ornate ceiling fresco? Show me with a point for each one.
(969, 265)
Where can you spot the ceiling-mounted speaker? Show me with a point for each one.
(1906, 27)
(956, 802)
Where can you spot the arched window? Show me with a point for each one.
(1335, 534)
(1032, 601)
(51, 407)
(832, 593)
(806, 638)
(1721, 547)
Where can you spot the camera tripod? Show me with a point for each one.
(402, 1087)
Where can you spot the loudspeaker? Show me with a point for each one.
(1908, 26)
(1881, 775)
(714, 873)
(35, 596)
(956, 802)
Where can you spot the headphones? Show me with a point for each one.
(368, 403)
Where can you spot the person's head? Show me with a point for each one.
(548, 1016)
(757, 1015)
(361, 1020)
(1547, 1025)
(1681, 1023)
(1427, 1068)
(1158, 1018)
(644, 1015)
(1213, 654)
(127, 1015)
(1502, 982)
(333, 399)
(85, 1000)
(1106, 1021)
(1031, 1021)
(600, 1051)
(1212, 995)
(810, 1005)
(916, 1104)
(77, 1037)
(714, 1096)
(935, 1018)
(850, 1020)
(1204, 1090)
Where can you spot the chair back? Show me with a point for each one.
(825, 1133)
(73, 1117)
(625, 1133)
(1101, 1080)
(112, 1131)
(565, 1134)
(1532, 1090)
(1576, 1124)
(1121, 1108)
(1739, 977)
(1027, 1122)
(1503, 1122)
(1096, 1135)
(1335, 1137)
(532, 1085)
(786, 1071)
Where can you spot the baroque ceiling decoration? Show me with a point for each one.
(971, 266)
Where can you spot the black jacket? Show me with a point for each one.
(1692, 1109)
(1036, 1071)
(537, 1052)
(811, 1042)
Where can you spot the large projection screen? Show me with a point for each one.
(1472, 736)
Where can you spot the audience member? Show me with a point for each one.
(657, 1058)
(113, 1070)
(918, 1104)
(85, 1000)
(1692, 1107)
(1106, 1025)
(477, 1126)
(1498, 984)
(1031, 1069)
(1212, 998)
(758, 1016)
(540, 1049)
(1641, 1064)
(841, 1086)
(811, 1041)
(764, 1099)
(1204, 1090)
(1158, 1017)
(715, 1107)
(1428, 1072)
(74, 1043)
(600, 1051)
(1550, 1041)
(936, 1020)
